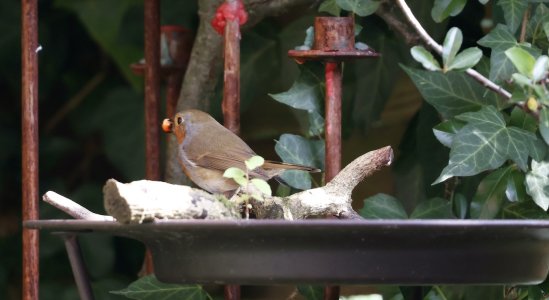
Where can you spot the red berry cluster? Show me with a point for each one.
(229, 11)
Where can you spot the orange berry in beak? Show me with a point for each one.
(167, 125)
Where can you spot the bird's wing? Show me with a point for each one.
(222, 161)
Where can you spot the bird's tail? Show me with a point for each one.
(269, 164)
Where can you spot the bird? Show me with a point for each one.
(205, 149)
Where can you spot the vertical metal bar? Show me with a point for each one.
(231, 87)
(231, 95)
(152, 97)
(333, 119)
(29, 138)
(78, 267)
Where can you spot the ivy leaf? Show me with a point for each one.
(499, 40)
(466, 59)
(262, 186)
(522, 60)
(522, 120)
(421, 55)
(331, 7)
(540, 68)
(460, 205)
(451, 93)
(524, 210)
(305, 93)
(513, 11)
(311, 292)
(149, 288)
(451, 45)
(536, 26)
(237, 175)
(485, 143)
(516, 189)
(382, 206)
(309, 39)
(544, 124)
(442, 9)
(488, 200)
(537, 183)
(254, 162)
(445, 131)
(435, 208)
(362, 8)
(298, 150)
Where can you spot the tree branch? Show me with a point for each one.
(431, 43)
(144, 201)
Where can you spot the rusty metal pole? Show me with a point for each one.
(29, 138)
(333, 119)
(152, 98)
(231, 76)
(334, 42)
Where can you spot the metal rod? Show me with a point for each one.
(231, 87)
(232, 292)
(333, 119)
(79, 270)
(152, 96)
(29, 138)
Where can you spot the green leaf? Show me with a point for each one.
(331, 7)
(513, 11)
(452, 93)
(305, 93)
(311, 292)
(522, 60)
(262, 186)
(149, 287)
(309, 39)
(421, 55)
(442, 9)
(460, 206)
(382, 206)
(483, 2)
(466, 59)
(254, 162)
(540, 68)
(485, 143)
(544, 124)
(536, 26)
(537, 183)
(445, 131)
(488, 201)
(524, 210)
(435, 208)
(105, 22)
(452, 43)
(362, 8)
(516, 190)
(298, 150)
(316, 124)
(499, 40)
(546, 29)
(523, 120)
(237, 175)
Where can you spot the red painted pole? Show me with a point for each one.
(29, 119)
(152, 98)
(333, 119)
(231, 76)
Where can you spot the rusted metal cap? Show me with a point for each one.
(334, 40)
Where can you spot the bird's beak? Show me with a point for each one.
(167, 125)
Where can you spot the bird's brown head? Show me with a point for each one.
(183, 121)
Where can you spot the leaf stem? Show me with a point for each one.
(487, 83)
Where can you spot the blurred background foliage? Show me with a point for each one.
(91, 117)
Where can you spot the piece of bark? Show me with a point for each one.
(145, 200)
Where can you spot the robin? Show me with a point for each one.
(206, 149)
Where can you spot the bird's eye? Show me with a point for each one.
(179, 120)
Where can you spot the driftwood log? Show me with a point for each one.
(144, 201)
